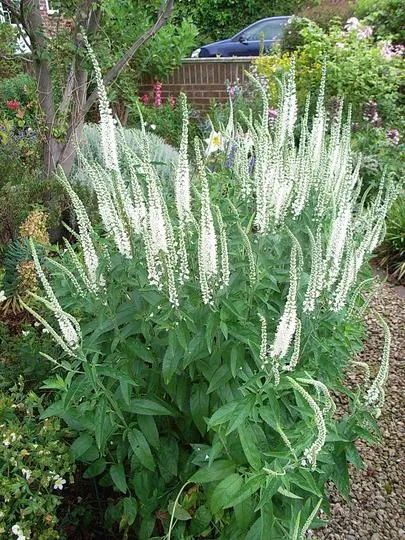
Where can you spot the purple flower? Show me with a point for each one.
(231, 157)
(393, 136)
(370, 113)
(251, 164)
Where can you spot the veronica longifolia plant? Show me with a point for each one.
(210, 326)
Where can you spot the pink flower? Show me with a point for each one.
(172, 101)
(273, 113)
(365, 32)
(145, 99)
(388, 50)
(157, 87)
(352, 24)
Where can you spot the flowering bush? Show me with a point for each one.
(206, 324)
(358, 69)
(35, 467)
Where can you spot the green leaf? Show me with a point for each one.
(225, 490)
(141, 448)
(56, 409)
(269, 491)
(130, 507)
(201, 521)
(250, 487)
(340, 473)
(148, 427)
(149, 407)
(54, 384)
(222, 415)
(171, 359)
(95, 468)
(353, 456)
(212, 325)
(217, 471)
(249, 444)
(117, 474)
(81, 445)
(304, 479)
(288, 493)
(220, 377)
(99, 423)
(199, 406)
(180, 513)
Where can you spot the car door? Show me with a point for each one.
(247, 42)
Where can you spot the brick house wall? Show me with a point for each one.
(201, 79)
(53, 22)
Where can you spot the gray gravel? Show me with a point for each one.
(376, 510)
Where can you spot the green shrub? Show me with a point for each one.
(9, 66)
(391, 255)
(386, 16)
(35, 465)
(323, 12)
(207, 327)
(357, 70)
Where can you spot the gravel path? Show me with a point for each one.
(377, 507)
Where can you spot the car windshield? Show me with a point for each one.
(269, 29)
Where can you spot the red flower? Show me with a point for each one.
(12, 104)
(145, 99)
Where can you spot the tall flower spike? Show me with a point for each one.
(182, 179)
(93, 281)
(263, 342)
(68, 330)
(107, 127)
(311, 453)
(224, 248)
(321, 387)
(107, 208)
(208, 262)
(310, 519)
(317, 276)
(296, 350)
(250, 256)
(375, 394)
(288, 321)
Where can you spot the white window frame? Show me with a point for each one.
(5, 16)
(50, 11)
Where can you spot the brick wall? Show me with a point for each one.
(202, 79)
(53, 22)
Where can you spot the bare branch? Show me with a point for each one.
(164, 14)
(16, 57)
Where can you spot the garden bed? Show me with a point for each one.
(376, 508)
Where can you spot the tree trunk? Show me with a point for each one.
(75, 93)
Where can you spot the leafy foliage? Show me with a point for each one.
(34, 461)
(163, 394)
(356, 69)
(391, 254)
(387, 17)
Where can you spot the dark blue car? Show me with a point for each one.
(247, 41)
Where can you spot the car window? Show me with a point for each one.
(269, 29)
